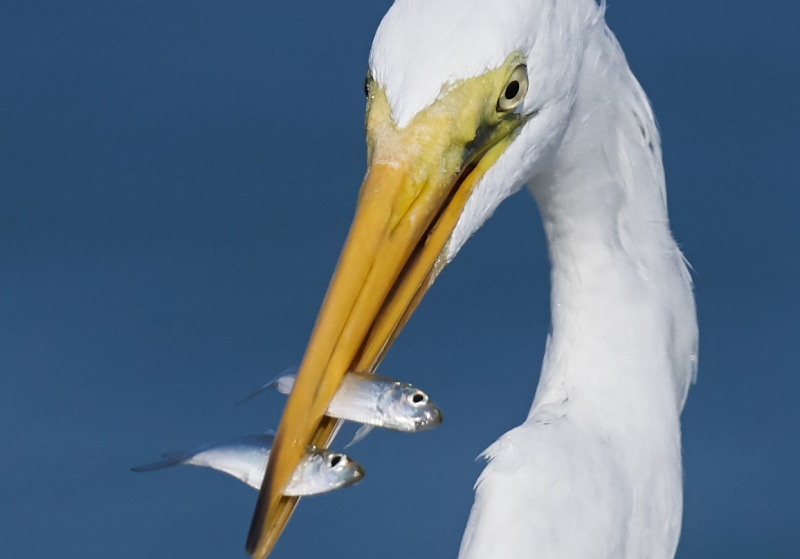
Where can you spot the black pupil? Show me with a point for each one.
(366, 87)
(512, 89)
(335, 460)
(416, 398)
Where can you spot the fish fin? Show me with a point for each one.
(169, 459)
(283, 383)
(362, 432)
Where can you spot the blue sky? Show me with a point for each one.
(176, 180)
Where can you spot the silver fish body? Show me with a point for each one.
(384, 402)
(245, 458)
(323, 471)
(376, 401)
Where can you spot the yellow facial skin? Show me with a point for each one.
(419, 177)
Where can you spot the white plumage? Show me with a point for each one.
(468, 100)
(595, 470)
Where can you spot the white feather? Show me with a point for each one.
(595, 470)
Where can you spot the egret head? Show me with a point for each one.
(466, 100)
(458, 57)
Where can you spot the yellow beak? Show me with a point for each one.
(418, 181)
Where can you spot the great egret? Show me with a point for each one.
(467, 100)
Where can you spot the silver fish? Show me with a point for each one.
(245, 458)
(374, 401)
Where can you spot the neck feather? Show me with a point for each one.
(624, 332)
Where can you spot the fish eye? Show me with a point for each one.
(514, 91)
(418, 398)
(334, 460)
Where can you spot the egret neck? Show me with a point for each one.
(623, 317)
(595, 470)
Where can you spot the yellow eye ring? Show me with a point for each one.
(514, 91)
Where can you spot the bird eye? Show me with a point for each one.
(334, 460)
(515, 90)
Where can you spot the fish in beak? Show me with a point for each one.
(418, 180)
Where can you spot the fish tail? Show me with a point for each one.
(283, 383)
(169, 459)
